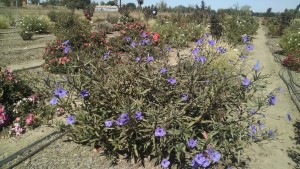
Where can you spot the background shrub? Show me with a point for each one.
(37, 25)
(290, 40)
(26, 35)
(62, 56)
(4, 22)
(73, 28)
(105, 26)
(292, 60)
(112, 19)
(54, 15)
(238, 24)
(178, 35)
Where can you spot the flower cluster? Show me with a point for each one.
(205, 158)
(9, 74)
(3, 116)
(16, 129)
(124, 119)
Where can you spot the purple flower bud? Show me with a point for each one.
(256, 66)
(246, 82)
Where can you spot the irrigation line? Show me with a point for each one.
(17, 50)
(18, 38)
(8, 32)
(290, 88)
(28, 68)
(36, 151)
(289, 83)
(20, 152)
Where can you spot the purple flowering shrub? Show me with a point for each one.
(194, 113)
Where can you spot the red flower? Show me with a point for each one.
(86, 44)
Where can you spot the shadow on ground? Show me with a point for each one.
(294, 152)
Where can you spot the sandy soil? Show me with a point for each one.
(273, 154)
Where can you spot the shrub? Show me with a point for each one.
(292, 60)
(112, 19)
(278, 24)
(18, 103)
(274, 27)
(53, 15)
(105, 26)
(26, 35)
(290, 40)
(4, 23)
(138, 105)
(98, 20)
(63, 56)
(35, 24)
(178, 36)
(71, 27)
(238, 24)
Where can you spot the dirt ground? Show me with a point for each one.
(271, 154)
(15, 52)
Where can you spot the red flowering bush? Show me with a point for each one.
(60, 55)
(293, 60)
(137, 42)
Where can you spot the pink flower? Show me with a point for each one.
(34, 97)
(29, 119)
(3, 119)
(17, 129)
(18, 119)
(9, 70)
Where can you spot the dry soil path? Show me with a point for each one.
(273, 154)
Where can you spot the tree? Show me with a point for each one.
(202, 5)
(246, 9)
(52, 2)
(162, 6)
(131, 6)
(35, 1)
(111, 3)
(269, 12)
(77, 4)
(9, 3)
(102, 3)
(140, 2)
